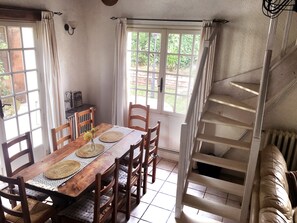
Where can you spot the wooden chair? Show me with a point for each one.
(130, 175)
(27, 210)
(59, 132)
(84, 121)
(151, 153)
(104, 200)
(20, 160)
(139, 117)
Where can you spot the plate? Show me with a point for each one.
(87, 152)
(111, 136)
(62, 169)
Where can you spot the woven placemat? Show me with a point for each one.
(111, 136)
(87, 151)
(62, 169)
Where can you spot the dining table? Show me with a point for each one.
(75, 185)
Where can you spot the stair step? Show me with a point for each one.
(221, 185)
(232, 102)
(212, 207)
(209, 117)
(252, 88)
(221, 162)
(229, 142)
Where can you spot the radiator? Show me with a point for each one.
(286, 142)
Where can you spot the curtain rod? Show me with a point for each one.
(174, 20)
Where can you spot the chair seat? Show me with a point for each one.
(39, 212)
(83, 209)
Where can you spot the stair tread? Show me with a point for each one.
(222, 185)
(230, 101)
(221, 162)
(210, 117)
(250, 87)
(212, 207)
(220, 140)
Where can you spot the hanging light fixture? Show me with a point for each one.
(273, 8)
(109, 2)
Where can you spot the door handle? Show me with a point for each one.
(161, 85)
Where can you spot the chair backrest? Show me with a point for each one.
(102, 210)
(152, 141)
(135, 160)
(139, 117)
(18, 150)
(23, 212)
(84, 121)
(58, 136)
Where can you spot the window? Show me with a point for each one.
(162, 66)
(19, 82)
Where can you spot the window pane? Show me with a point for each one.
(142, 80)
(142, 61)
(4, 64)
(185, 65)
(172, 64)
(169, 103)
(155, 43)
(19, 82)
(186, 44)
(153, 82)
(152, 99)
(170, 84)
(132, 78)
(14, 37)
(132, 41)
(132, 96)
(35, 119)
(154, 62)
(22, 103)
(3, 39)
(33, 100)
(9, 110)
(32, 80)
(6, 85)
(28, 39)
(131, 59)
(181, 104)
(173, 43)
(143, 41)
(183, 85)
(17, 60)
(30, 59)
(24, 124)
(37, 137)
(11, 129)
(195, 67)
(141, 97)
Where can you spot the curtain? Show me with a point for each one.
(120, 91)
(51, 71)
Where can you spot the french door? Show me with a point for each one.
(21, 108)
(162, 67)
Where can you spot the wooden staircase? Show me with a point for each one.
(208, 117)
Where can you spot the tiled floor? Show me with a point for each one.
(158, 204)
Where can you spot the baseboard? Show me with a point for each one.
(168, 154)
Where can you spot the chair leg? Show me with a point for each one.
(154, 169)
(128, 204)
(144, 180)
(138, 189)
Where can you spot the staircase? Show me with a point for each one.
(210, 118)
(196, 137)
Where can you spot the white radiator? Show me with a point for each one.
(286, 142)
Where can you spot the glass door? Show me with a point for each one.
(20, 109)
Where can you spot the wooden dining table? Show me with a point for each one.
(83, 180)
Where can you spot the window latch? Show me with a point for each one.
(161, 85)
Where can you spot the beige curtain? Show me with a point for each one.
(120, 104)
(51, 71)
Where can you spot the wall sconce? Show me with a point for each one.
(70, 27)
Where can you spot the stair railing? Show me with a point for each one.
(189, 128)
